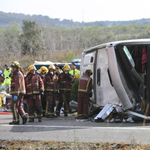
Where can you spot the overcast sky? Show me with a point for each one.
(81, 10)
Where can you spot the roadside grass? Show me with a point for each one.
(75, 145)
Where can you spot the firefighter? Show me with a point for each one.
(17, 92)
(73, 71)
(50, 90)
(42, 72)
(65, 81)
(58, 71)
(34, 90)
(84, 92)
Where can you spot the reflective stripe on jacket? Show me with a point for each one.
(85, 84)
(34, 84)
(65, 81)
(50, 83)
(17, 84)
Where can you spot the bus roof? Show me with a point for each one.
(125, 42)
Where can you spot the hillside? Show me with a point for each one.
(6, 18)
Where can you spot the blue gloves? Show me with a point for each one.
(15, 97)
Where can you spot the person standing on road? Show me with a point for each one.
(50, 91)
(84, 92)
(65, 81)
(17, 92)
(34, 90)
(43, 71)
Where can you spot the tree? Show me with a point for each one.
(70, 55)
(31, 38)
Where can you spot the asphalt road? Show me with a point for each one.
(72, 130)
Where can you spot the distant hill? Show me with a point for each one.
(6, 18)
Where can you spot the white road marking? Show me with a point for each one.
(45, 126)
(80, 127)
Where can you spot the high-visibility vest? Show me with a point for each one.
(74, 71)
(7, 78)
(7, 72)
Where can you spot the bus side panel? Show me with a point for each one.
(105, 92)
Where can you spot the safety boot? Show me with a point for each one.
(78, 117)
(24, 119)
(52, 116)
(44, 114)
(65, 114)
(14, 123)
(40, 119)
(57, 114)
(31, 120)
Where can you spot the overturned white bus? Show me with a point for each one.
(121, 74)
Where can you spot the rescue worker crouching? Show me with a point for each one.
(65, 81)
(84, 92)
(50, 91)
(42, 72)
(17, 92)
(34, 90)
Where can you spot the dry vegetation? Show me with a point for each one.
(42, 43)
(76, 145)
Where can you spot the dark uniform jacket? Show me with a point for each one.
(65, 81)
(85, 84)
(34, 84)
(50, 83)
(17, 84)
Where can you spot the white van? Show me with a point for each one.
(117, 72)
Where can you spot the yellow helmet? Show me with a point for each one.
(77, 75)
(89, 71)
(15, 64)
(66, 68)
(43, 70)
(31, 67)
(51, 67)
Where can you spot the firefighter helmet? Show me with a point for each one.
(66, 68)
(77, 75)
(31, 67)
(89, 71)
(15, 64)
(52, 67)
(43, 70)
